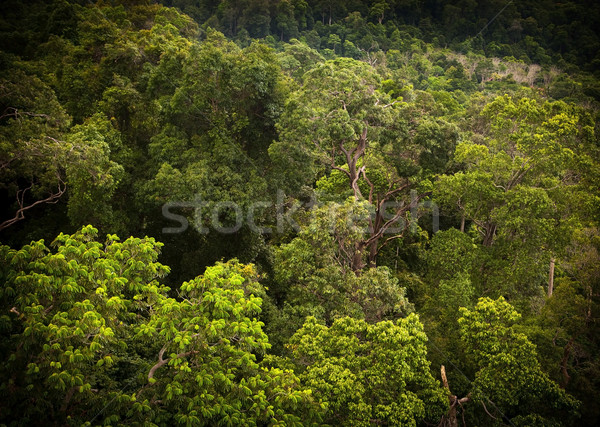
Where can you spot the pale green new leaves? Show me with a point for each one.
(207, 371)
(80, 325)
(369, 373)
(66, 312)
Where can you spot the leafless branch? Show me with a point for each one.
(20, 214)
(389, 239)
(396, 217)
(371, 186)
(486, 411)
(14, 112)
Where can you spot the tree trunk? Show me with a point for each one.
(563, 363)
(462, 224)
(551, 278)
(490, 233)
(373, 250)
(451, 419)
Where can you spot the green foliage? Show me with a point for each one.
(32, 156)
(336, 103)
(67, 313)
(314, 272)
(94, 178)
(513, 188)
(451, 252)
(369, 372)
(212, 336)
(112, 112)
(219, 125)
(509, 373)
(297, 58)
(78, 316)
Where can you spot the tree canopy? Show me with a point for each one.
(330, 212)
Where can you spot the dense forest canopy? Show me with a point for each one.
(298, 212)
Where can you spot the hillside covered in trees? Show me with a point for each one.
(299, 212)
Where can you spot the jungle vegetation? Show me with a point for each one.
(299, 212)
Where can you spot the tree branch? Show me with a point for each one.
(444, 378)
(389, 239)
(68, 398)
(20, 214)
(13, 112)
(161, 362)
(564, 361)
(396, 217)
(486, 411)
(391, 193)
(371, 186)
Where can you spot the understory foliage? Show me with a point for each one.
(331, 213)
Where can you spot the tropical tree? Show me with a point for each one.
(89, 334)
(206, 371)
(509, 380)
(32, 124)
(68, 315)
(339, 121)
(45, 160)
(369, 373)
(518, 188)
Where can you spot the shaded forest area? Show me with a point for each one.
(290, 212)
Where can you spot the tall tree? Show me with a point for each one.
(313, 274)
(340, 121)
(32, 159)
(90, 335)
(520, 183)
(369, 373)
(509, 381)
